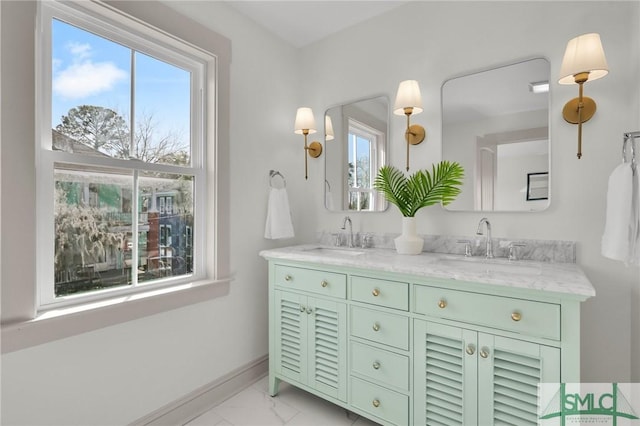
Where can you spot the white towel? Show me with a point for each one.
(635, 219)
(616, 240)
(279, 223)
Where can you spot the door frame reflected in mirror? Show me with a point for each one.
(490, 118)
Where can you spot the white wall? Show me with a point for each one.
(433, 41)
(118, 374)
(634, 63)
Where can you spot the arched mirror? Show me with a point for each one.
(356, 138)
(496, 124)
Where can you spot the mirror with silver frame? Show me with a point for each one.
(356, 146)
(495, 123)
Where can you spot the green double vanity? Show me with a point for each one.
(427, 339)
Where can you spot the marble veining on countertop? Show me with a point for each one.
(565, 278)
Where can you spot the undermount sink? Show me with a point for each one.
(334, 251)
(490, 266)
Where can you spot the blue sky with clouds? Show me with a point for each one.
(91, 70)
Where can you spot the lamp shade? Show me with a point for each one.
(584, 54)
(408, 96)
(304, 121)
(328, 128)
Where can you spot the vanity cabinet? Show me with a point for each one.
(403, 348)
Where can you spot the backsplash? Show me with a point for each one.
(537, 250)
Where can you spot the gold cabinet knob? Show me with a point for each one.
(516, 316)
(376, 365)
(288, 277)
(470, 349)
(324, 283)
(484, 352)
(442, 304)
(376, 326)
(376, 292)
(376, 403)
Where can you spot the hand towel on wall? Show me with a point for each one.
(279, 223)
(616, 240)
(635, 228)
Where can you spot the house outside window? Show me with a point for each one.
(121, 154)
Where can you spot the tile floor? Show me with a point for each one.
(292, 407)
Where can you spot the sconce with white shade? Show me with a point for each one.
(328, 129)
(408, 102)
(583, 61)
(305, 124)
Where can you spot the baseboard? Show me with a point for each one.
(208, 396)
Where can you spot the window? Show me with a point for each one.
(363, 158)
(121, 161)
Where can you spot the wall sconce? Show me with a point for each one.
(583, 61)
(328, 129)
(305, 125)
(409, 101)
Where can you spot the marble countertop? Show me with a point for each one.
(565, 278)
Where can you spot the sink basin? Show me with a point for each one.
(334, 251)
(489, 266)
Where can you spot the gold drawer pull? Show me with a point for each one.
(484, 352)
(516, 316)
(376, 365)
(376, 292)
(288, 277)
(471, 349)
(376, 326)
(442, 304)
(324, 283)
(376, 403)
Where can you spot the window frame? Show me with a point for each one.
(376, 142)
(22, 325)
(102, 23)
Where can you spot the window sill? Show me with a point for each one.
(70, 321)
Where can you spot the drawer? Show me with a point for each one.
(312, 280)
(390, 294)
(392, 407)
(380, 327)
(382, 367)
(517, 315)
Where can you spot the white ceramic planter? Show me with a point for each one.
(409, 242)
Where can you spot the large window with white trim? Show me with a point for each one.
(121, 170)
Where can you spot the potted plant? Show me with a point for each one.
(421, 189)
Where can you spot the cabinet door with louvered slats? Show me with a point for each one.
(291, 335)
(328, 348)
(445, 375)
(509, 372)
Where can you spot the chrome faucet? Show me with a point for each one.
(489, 254)
(350, 236)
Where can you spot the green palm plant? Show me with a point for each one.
(421, 189)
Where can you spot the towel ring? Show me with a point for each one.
(273, 173)
(629, 139)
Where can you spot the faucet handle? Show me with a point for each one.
(467, 247)
(512, 250)
(365, 240)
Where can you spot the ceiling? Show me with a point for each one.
(302, 22)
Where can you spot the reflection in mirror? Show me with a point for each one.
(496, 124)
(354, 155)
